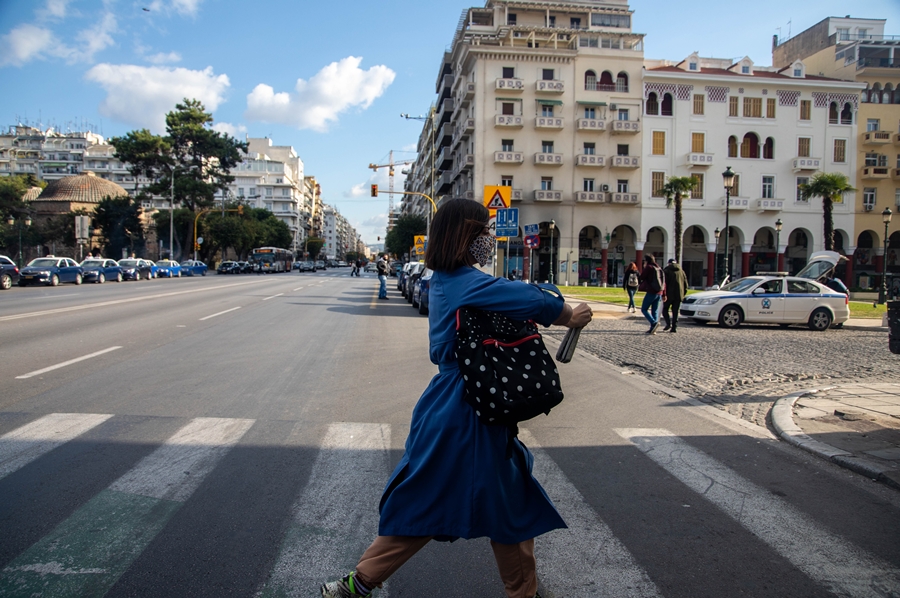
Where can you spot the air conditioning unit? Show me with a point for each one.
(868, 207)
(604, 188)
(613, 107)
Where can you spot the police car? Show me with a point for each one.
(774, 298)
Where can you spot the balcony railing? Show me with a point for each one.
(881, 63)
(469, 91)
(629, 198)
(466, 161)
(698, 159)
(549, 122)
(800, 164)
(553, 86)
(590, 160)
(509, 157)
(548, 159)
(625, 161)
(508, 120)
(737, 203)
(625, 126)
(547, 195)
(590, 124)
(769, 205)
(517, 195)
(510, 84)
(876, 172)
(876, 137)
(590, 85)
(590, 196)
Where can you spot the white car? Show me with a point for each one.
(774, 298)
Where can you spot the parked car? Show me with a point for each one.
(136, 268)
(306, 266)
(420, 291)
(229, 267)
(9, 273)
(411, 277)
(246, 267)
(194, 268)
(51, 271)
(320, 265)
(100, 270)
(370, 267)
(403, 271)
(168, 269)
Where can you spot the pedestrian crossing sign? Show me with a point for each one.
(497, 197)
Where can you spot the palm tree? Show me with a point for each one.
(829, 186)
(674, 189)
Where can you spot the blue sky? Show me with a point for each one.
(329, 79)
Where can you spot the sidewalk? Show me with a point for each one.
(856, 426)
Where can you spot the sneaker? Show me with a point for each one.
(653, 328)
(666, 327)
(342, 588)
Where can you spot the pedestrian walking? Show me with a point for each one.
(357, 266)
(653, 284)
(676, 290)
(630, 282)
(382, 266)
(459, 477)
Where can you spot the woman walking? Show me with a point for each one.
(630, 282)
(455, 479)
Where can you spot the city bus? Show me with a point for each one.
(271, 259)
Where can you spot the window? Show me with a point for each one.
(622, 149)
(622, 185)
(798, 72)
(621, 81)
(847, 115)
(697, 191)
(736, 186)
(843, 33)
(506, 180)
(803, 147)
(871, 159)
(869, 198)
(698, 103)
(508, 108)
(732, 106)
(770, 108)
(752, 107)
(547, 74)
(511, 19)
(873, 124)
(659, 143)
(732, 147)
(588, 185)
(509, 72)
(745, 70)
(546, 110)
(285, 192)
(551, 21)
(575, 23)
(768, 187)
(252, 191)
(590, 81)
(506, 145)
(805, 109)
(692, 66)
(862, 33)
(657, 180)
(590, 113)
(801, 288)
(610, 20)
(268, 191)
(840, 150)
(623, 114)
(652, 104)
(590, 149)
(240, 192)
(897, 197)
(698, 142)
(547, 147)
(750, 146)
(801, 180)
(666, 105)
(546, 183)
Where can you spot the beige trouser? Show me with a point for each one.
(388, 553)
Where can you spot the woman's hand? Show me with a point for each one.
(581, 316)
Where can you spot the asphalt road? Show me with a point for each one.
(230, 436)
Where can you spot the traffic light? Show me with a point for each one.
(374, 190)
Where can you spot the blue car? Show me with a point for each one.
(168, 269)
(194, 268)
(99, 270)
(51, 271)
(421, 291)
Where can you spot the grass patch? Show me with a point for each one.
(862, 309)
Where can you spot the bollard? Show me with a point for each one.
(893, 310)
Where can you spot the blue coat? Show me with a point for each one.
(454, 480)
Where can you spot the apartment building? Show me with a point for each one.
(48, 155)
(339, 236)
(858, 50)
(771, 126)
(543, 97)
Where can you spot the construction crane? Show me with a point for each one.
(390, 166)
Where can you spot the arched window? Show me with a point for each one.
(652, 105)
(769, 149)
(833, 113)
(750, 146)
(732, 147)
(622, 82)
(875, 96)
(887, 95)
(606, 82)
(590, 81)
(667, 104)
(847, 115)
(864, 96)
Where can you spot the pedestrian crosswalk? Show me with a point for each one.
(335, 515)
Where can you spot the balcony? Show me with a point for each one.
(510, 84)
(895, 174)
(627, 198)
(444, 159)
(697, 159)
(447, 107)
(466, 161)
(737, 203)
(876, 138)
(446, 134)
(516, 195)
(469, 91)
(509, 157)
(801, 164)
(876, 172)
(590, 160)
(625, 126)
(466, 125)
(444, 183)
(590, 124)
(590, 196)
(625, 161)
(508, 120)
(547, 195)
(549, 122)
(769, 205)
(547, 159)
(553, 86)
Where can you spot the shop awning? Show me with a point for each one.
(509, 99)
(583, 103)
(550, 102)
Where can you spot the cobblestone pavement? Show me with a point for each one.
(745, 370)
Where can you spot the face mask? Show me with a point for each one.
(482, 248)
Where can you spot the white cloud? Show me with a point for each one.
(141, 95)
(54, 9)
(186, 7)
(357, 190)
(29, 42)
(164, 58)
(230, 129)
(318, 102)
(96, 38)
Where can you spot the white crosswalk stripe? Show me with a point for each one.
(831, 561)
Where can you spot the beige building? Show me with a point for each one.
(858, 50)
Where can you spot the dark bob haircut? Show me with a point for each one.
(457, 223)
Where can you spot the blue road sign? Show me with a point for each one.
(531, 230)
(508, 222)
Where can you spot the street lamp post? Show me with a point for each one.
(552, 228)
(886, 218)
(728, 181)
(717, 233)
(12, 222)
(778, 225)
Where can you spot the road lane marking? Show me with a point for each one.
(65, 363)
(828, 559)
(23, 445)
(88, 552)
(297, 289)
(62, 310)
(334, 519)
(586, 559)
(273, 296)
(220, 313)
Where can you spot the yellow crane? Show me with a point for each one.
(390, 166)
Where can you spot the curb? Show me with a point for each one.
(783, 421)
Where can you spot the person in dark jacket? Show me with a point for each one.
(630, 282)
(676, 289)
(654, 288)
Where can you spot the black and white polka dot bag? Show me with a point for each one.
(509, 374)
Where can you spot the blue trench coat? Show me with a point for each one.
(455, 480)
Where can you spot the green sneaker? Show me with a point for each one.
(342, 588)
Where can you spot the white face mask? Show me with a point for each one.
(482, 248)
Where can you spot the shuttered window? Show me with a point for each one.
(659, 143)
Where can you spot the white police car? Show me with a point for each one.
(774, 298)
